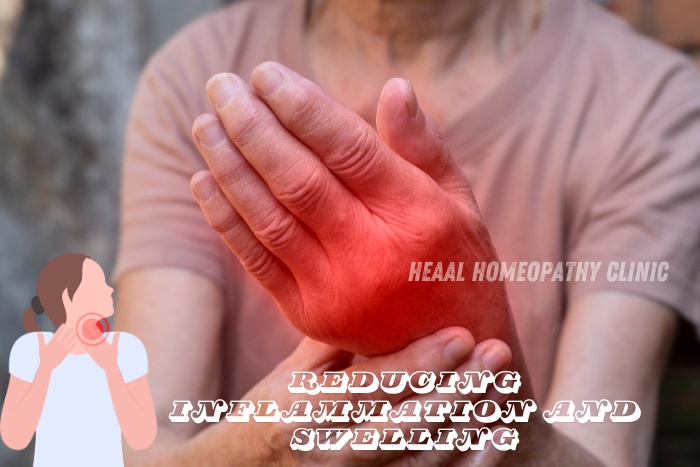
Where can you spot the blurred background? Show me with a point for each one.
(68, 69)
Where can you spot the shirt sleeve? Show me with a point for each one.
(161, 223)
(24, 356)
(647, 208)
(131, 357)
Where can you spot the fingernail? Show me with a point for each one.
(267, 79)
(411, 100)
(457, 350)
(222, 89)
(495, 358)
(210, 131)
(203, 188)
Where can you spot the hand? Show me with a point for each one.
(451, 349)
(105, 354)
(52, 354)
(329, 216)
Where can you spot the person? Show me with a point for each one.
(77, 388)
(579, 140)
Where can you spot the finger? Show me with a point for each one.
(61, 331)
(311, 355)
(64, 346)
(63, 334)
(346, 144)
(489, 457)
(442, 351)
(115, 339)
(69, 343)
(293, 173)
(271, 222)
(254, 256)
(413, 135)
(40, 336)
(425, 458)
(491, 355)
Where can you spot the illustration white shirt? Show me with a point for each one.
(78, 425)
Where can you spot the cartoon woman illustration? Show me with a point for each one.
(79, 389)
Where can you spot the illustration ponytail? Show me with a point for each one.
(29, 320)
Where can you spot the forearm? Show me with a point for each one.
(221, 444)
(175, 370)
(546, 446)
(136, 417)
(614, 347)
(171, 448)
(21, 417)
(566, 451)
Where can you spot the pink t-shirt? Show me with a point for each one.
(589, 150)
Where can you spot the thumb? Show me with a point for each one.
(311, 355)
(413, 135)
(490, 456)
(40, 335)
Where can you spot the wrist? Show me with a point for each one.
(112, 369)
(44, 370)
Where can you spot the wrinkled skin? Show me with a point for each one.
(329, 213)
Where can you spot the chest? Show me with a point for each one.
(78, 389)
